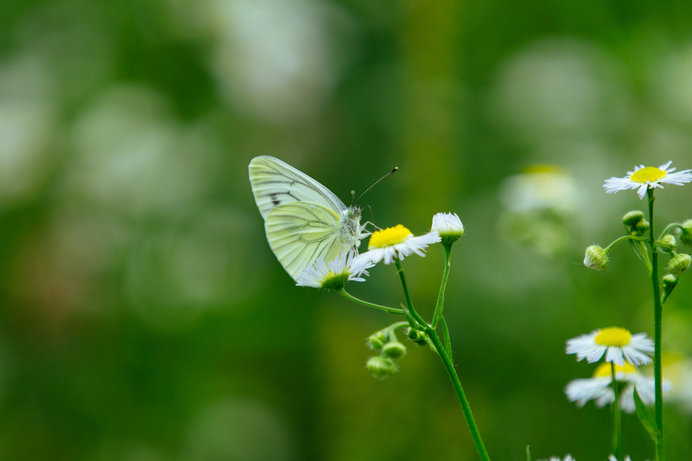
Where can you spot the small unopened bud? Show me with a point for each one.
(632, 218)
(448, 226)
(635, 223)
(381, 367)
(668, 243)
(686, 232)
(642, 228)
(595, 258)
(394, 350)
(377, 340)
(417, 337)
(679, 263)
(669, 283)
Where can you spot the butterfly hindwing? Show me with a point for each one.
(276, 183)
(299, 233)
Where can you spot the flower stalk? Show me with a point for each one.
(617, 414)
(445, 356)
(658, 314)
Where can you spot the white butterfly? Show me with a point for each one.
(304, 220)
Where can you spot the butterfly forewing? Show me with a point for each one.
(276, 183)
(299, 233)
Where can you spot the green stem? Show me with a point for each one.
(617, 415)
(445, 336)
(668, 228)
(411, 310)
(449, 366)
(391, 310)
(441, 296)
(620, 239)
(658, 310)
(461, 396)
(637, 245)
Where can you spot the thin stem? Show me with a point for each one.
(617, 415)
(411, 310)
(445, 336)
(443, 285)
(449, 366)
(668, 228)
(620, 239)
(391, 310)
(658, 310)
(461, 396)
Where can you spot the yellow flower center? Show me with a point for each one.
(603, 370)
(613, 336)
(649, 173)
(389, 236)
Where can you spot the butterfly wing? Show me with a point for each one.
(276, 183)
(299, 233)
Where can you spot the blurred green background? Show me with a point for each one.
(143, 315)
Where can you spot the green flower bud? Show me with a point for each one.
(394, 350)
(669, 283)
(595, 258)
(686, 232)
(635, 223)
(668, 243)
(377, 340)
(642, 228)
(632, 218)
(381, 367)
(417, 337)
(679, 263)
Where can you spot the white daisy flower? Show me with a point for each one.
(395, 242)
(449, 226)
(334, 274)
(599, 389)
(618, 345)
(647, 177)
(613, 458)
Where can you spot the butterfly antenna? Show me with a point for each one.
(394, 170)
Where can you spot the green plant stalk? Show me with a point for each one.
(461, 396)
(411, 310)
(658, 311)
(391, 310)
(667, 229)
(449, 366)
(617, 415)
(443, 286)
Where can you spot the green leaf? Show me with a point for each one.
(647, 418)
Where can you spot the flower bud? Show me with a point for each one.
(394, 350)
(377, 340)
(448, 226)
(635, 223)
(686, 232)
(669, 283)
(595, 258)
(668, 243)
(417, 337)
(642, 228)
(632, 218)
(679, 263)
(381, 367)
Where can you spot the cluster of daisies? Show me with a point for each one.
(385, 245)
(626, 352)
